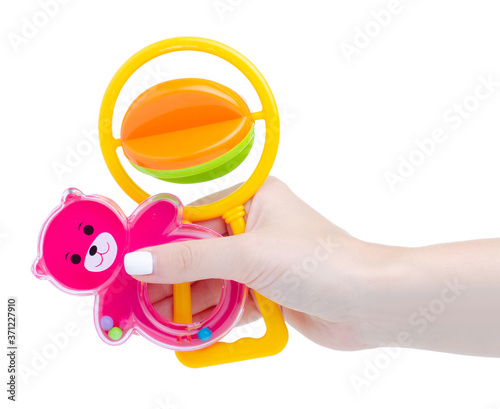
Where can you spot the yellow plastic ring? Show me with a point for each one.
(269, 113)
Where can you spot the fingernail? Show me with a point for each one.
(139, 263)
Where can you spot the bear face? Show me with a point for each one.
(82, 243)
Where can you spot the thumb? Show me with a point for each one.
(225, 258)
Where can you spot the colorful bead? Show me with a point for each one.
(204, 334)
(115, 333)
(123, 323)
(106, 322)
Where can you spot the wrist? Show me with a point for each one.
(388, 296)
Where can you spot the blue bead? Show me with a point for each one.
(106, 322)
(204, 334)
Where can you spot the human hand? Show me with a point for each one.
(340, 292)
(289, 253)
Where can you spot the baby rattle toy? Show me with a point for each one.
(186, 130)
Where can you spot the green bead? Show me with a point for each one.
(115, 333)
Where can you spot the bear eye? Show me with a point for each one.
(88, 230)
(75, 259)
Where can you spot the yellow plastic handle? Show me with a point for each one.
(273, 341)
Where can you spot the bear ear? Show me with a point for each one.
(38, 269)
(71, 194)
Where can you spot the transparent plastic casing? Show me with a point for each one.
(81, 249)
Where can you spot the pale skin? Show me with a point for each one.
(337, 290)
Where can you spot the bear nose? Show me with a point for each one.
(93, 250)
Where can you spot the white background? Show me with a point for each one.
(344, 124)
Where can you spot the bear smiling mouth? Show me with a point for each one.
(102, 254)
(98, 260)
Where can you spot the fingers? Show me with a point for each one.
(218, 225)
(252, 312)
(227, 258)
(204, 297)
(157, 292)
(164, 307)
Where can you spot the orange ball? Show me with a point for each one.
(187, 130)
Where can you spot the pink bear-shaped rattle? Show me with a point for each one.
(81, 249)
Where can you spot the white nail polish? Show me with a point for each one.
(139, 263)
